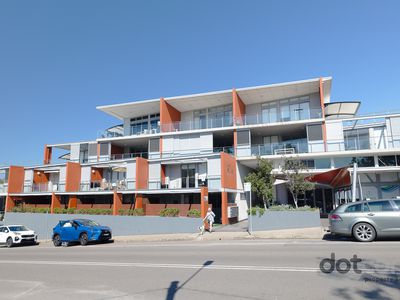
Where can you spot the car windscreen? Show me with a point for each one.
(18, 228)
(88, 223)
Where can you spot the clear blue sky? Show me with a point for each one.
(60, 59)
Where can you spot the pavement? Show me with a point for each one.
(202, 269)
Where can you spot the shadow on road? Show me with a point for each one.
(175, 287)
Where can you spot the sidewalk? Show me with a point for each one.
(303, 233)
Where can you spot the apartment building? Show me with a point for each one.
(193, 151)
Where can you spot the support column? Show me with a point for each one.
(55, 202)
(117, 203)
(204, 201)
(73, 201)
(224, 208)
(10, 203)
(139, 201)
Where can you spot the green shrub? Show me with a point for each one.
(286, 207)
(94, 211)
(28, 209)
(256, 210)
(194, 213)
(169, 212)
(131, 212)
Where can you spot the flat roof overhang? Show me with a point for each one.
(249, 95)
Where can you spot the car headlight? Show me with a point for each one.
(17, 233)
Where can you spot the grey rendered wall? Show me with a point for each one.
(275, 220)
(121, 225)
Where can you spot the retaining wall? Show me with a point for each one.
(121, 225)
(275, 220)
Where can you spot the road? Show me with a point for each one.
(239, 269)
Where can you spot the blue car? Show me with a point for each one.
(80, 230)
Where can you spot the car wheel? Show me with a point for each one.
(364, 232)
(57, 240)
(83, 239)
(9, 242)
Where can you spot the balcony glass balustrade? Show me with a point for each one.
(267, 117)
(282, 148)
(103, 185)
(225, 121)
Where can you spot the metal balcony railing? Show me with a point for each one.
(129, 155)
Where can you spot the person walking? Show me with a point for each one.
(209, 218)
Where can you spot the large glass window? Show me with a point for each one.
(145, 124)
(269, 112)
(365, 161)
(357, 139)
(285, 110)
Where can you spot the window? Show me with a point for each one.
(243, 137)
(154, 145)
(379, 206)
(104, 149)
(2, 229)
(364, 161)
(145, 124)
(397, 202)
(386, 161)
(356, 139)
(314, 132)
(269, 112)
(354, 208)
(322, 163)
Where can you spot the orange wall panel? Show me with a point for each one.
(73, 177)
(40, 177)
(168, 114)
(142, 173)
(47, 154)
(228, 171)
(16, 178)
(238, 108)
(96, 174)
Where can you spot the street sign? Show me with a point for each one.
(247, 186)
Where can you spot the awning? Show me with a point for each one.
(335, 178)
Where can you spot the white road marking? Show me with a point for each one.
(188, 266)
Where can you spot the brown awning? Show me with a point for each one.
(336, 178)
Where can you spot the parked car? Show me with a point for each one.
(11, 235)
(367, 220)
(80, 230)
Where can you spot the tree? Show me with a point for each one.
(295, 173)
(261, 180)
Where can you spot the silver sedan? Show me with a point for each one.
(367, 220)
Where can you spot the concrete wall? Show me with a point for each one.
(121, 225)
(275, 220)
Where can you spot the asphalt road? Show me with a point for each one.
(248, 269)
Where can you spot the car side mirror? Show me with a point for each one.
(6, 231)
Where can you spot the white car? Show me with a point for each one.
(16, 234)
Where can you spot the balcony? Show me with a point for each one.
(46, 187)
(129, 155)
(282, 148)
(104, 185)
(289, 116)
(198, 124)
